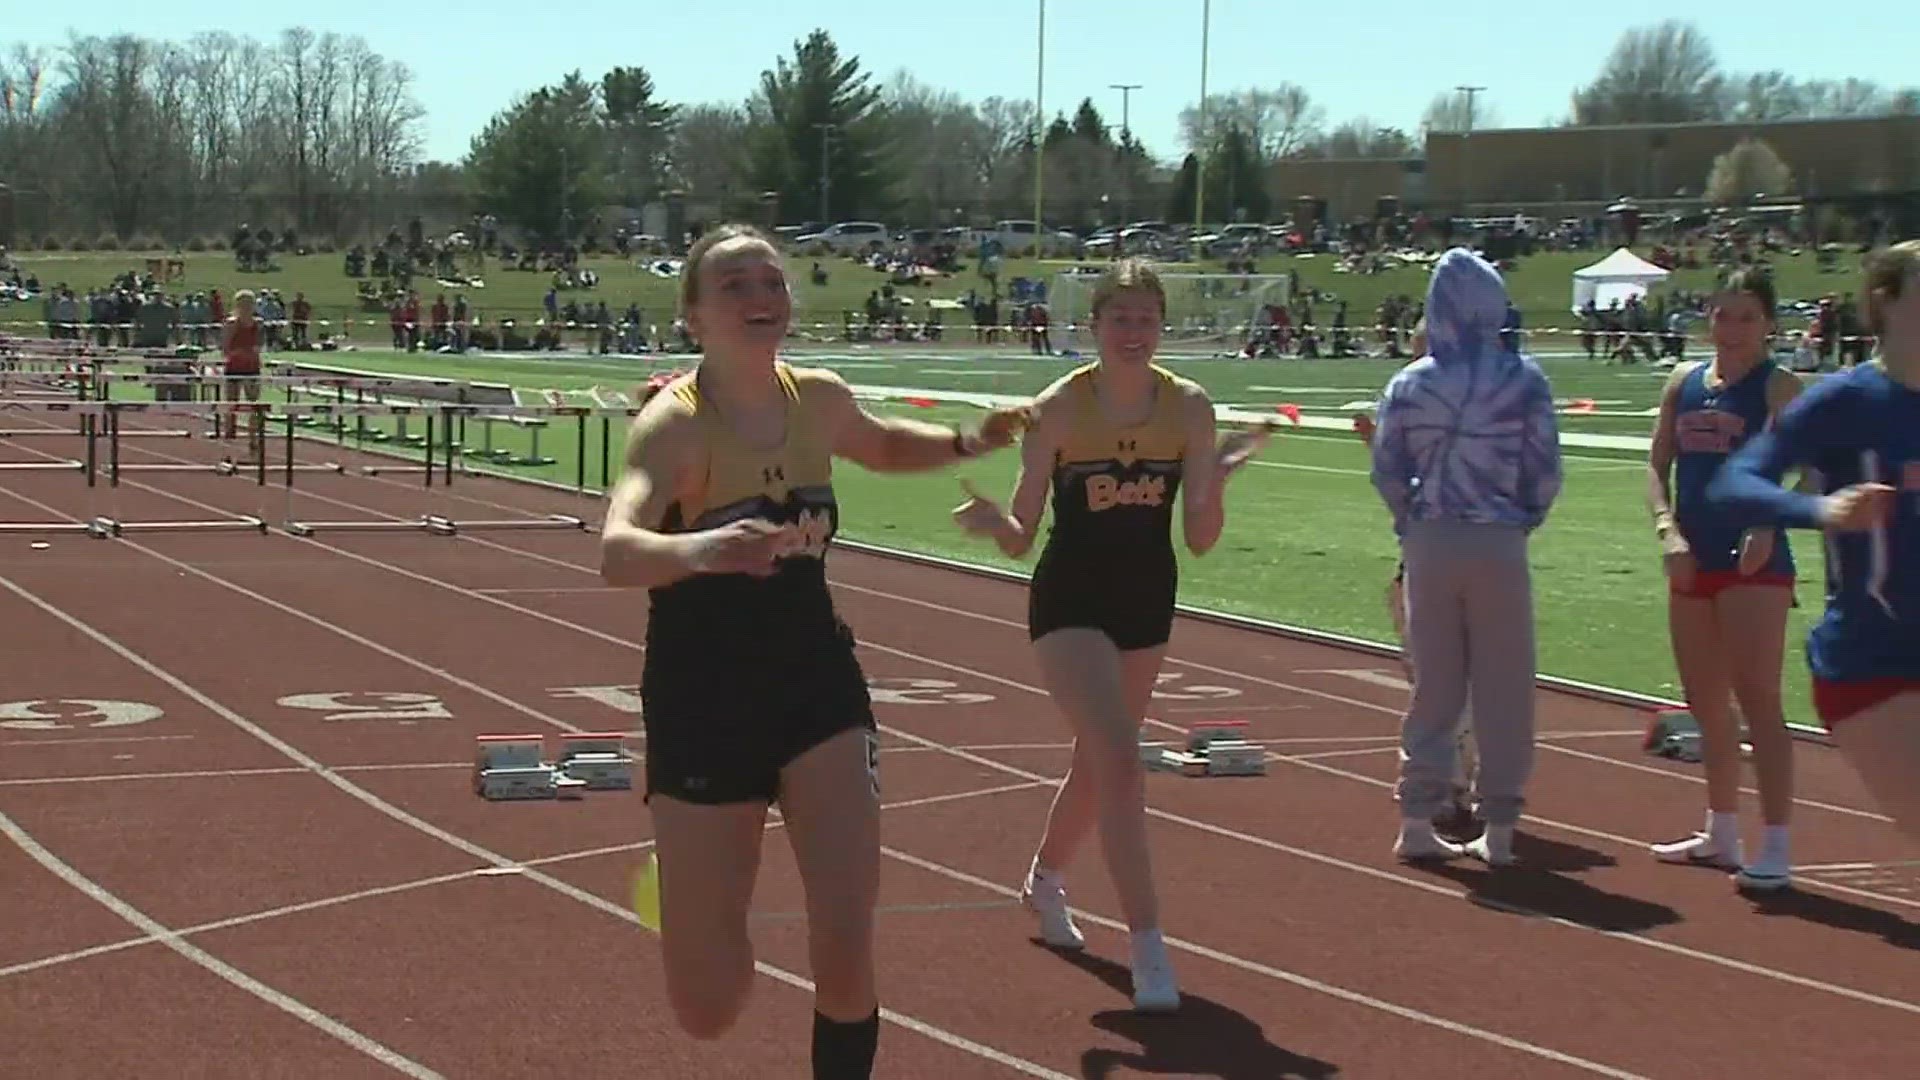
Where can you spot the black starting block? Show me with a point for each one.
(1674, 733)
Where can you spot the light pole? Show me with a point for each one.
(1039, 126)
(1466, 147)
(1200, 170)
(1126, 134)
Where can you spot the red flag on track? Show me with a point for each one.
(920, 402)
(1289, 410)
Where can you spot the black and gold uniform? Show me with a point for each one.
(744, 674)
(1109, 564)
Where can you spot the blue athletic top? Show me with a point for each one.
(1709, 424)
(1854, 427)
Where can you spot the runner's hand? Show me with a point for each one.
(979, 515)
(1857, 508)
(1239, 447)
(1680, 567)
(748, 546)
(1002, 425)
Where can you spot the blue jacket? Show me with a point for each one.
(1467, 433)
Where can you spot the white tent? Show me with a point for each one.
(1617, 277)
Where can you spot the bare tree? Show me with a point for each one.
(1455, 110)
(1749, 169)
(1664, 73)
(1277, 121)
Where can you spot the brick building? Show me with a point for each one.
(1504, 167)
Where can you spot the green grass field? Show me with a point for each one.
(1541, 286)
(1307, 540)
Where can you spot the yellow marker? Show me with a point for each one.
(646, 893)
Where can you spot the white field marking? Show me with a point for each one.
(781, 975)
(100, 739)
(1369, 706)
(490, 857)
(443, 879)
(1910, 864)
(1285, 976)
(1581, 830)
(557, 590)
(193, 953)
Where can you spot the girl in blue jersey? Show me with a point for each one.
(1859, 431)
(1728, 588)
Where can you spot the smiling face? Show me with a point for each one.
(739, 300)
(1128, 325)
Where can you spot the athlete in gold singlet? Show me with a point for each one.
(1116, 442)
(751, 692)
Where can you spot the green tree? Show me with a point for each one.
(818, 116)
(639, 131)
(539, 161)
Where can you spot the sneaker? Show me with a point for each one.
(1765, 874)
(1418, 842)
(1155, 989)
(1049, 903)
(1700, 849)
(1457, 822)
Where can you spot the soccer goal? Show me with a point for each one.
(1213, 314)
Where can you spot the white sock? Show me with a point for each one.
(1052, 879)
(1147, 945)
(1723, 828)
(1773, 844)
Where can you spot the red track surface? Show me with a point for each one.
(244, 887)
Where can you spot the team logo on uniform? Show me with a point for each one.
(1709, 431)
(773, 474)
(1104, 492)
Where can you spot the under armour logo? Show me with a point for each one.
(1126, 446)
(773, 473)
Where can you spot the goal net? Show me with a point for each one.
(1214, 314)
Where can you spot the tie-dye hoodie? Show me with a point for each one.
(1467, 433)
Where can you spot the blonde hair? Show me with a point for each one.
(244, 296)
(690, 270)
(1887, 271)
(1129, 275)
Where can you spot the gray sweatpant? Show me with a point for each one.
(1469, 630)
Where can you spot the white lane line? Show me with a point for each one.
(227, 972)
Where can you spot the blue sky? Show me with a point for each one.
(1384, 59)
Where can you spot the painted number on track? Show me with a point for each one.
(407, 708)
(887, 691)
(1188, 691)
(66, 714)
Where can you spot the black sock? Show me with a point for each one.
(844, 1050)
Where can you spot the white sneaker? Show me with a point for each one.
(1418, 842)
(1700, 849)
(1049, 902)
(1155, 989)
(1765, 874)
(1494, 846)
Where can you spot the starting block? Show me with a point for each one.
(597, 759)
(510, 767)
(1674, 733)
(1218, 748)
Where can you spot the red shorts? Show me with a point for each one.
(1837, 701)
(1708, 584)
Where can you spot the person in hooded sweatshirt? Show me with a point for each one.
(1466, 456)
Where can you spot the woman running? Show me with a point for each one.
(1115, 441)
(751, 690)
(1728, 588)
(1464, 508)
(1859, 431)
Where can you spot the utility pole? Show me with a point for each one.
(1126, 135)
(1039, 128)
(1200, 160)
(1466, 147)
(826, 156)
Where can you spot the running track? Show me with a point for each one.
(255, 883)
